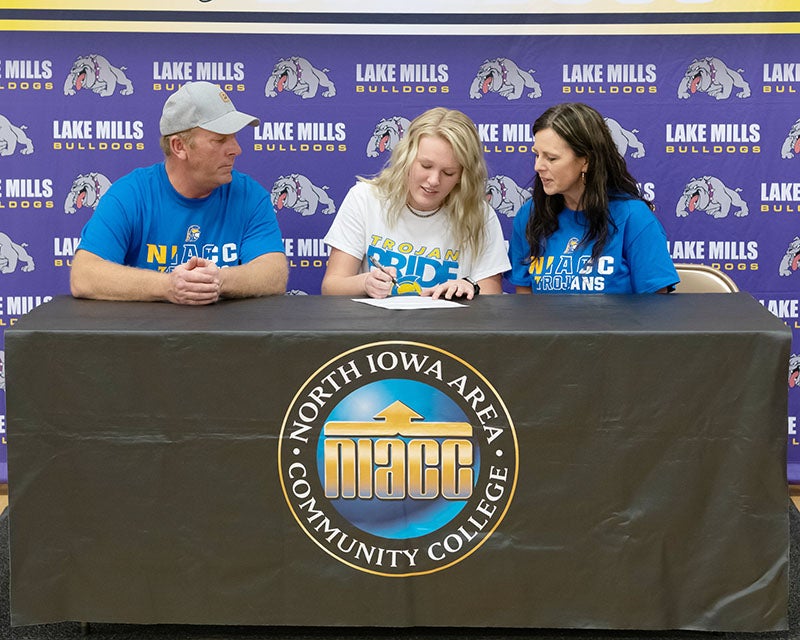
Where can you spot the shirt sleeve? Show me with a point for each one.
(262, 233)
(494, 257)
(646, 250)
(109, 232)
(348, 232)
(519, 250)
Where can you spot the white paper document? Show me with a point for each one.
(410, 302)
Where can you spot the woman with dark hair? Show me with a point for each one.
(587, 229)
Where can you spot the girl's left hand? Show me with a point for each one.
(451, 290)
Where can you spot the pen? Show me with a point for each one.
(374, 260)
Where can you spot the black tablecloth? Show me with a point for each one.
(640, 444)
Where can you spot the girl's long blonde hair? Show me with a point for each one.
(466, 202)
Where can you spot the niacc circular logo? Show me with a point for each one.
(398, 458)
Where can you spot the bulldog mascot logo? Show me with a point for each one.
(791, 145)
(387, 133)
(710, 194)
(12, 255)
(297, 192)
(298, 76)
(505, 196)
(11, 136)
(504, 77)
(714, 77)
(624, 139)
(791, 259)
(86, 191)
(794, 370)
(96, 73)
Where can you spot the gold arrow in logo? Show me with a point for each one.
(396, 420)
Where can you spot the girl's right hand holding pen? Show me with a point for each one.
(379, 280)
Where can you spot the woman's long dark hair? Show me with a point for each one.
(607, 176)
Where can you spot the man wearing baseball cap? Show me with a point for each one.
(191, 229)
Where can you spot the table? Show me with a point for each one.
(523, 461)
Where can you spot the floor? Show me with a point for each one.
(794, 492)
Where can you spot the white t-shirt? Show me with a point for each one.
(423, 250)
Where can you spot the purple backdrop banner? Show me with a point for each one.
(709, 125)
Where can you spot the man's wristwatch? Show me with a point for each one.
(474, 284)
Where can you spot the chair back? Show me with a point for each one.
(700, 278)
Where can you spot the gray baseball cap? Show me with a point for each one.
(205, 105)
